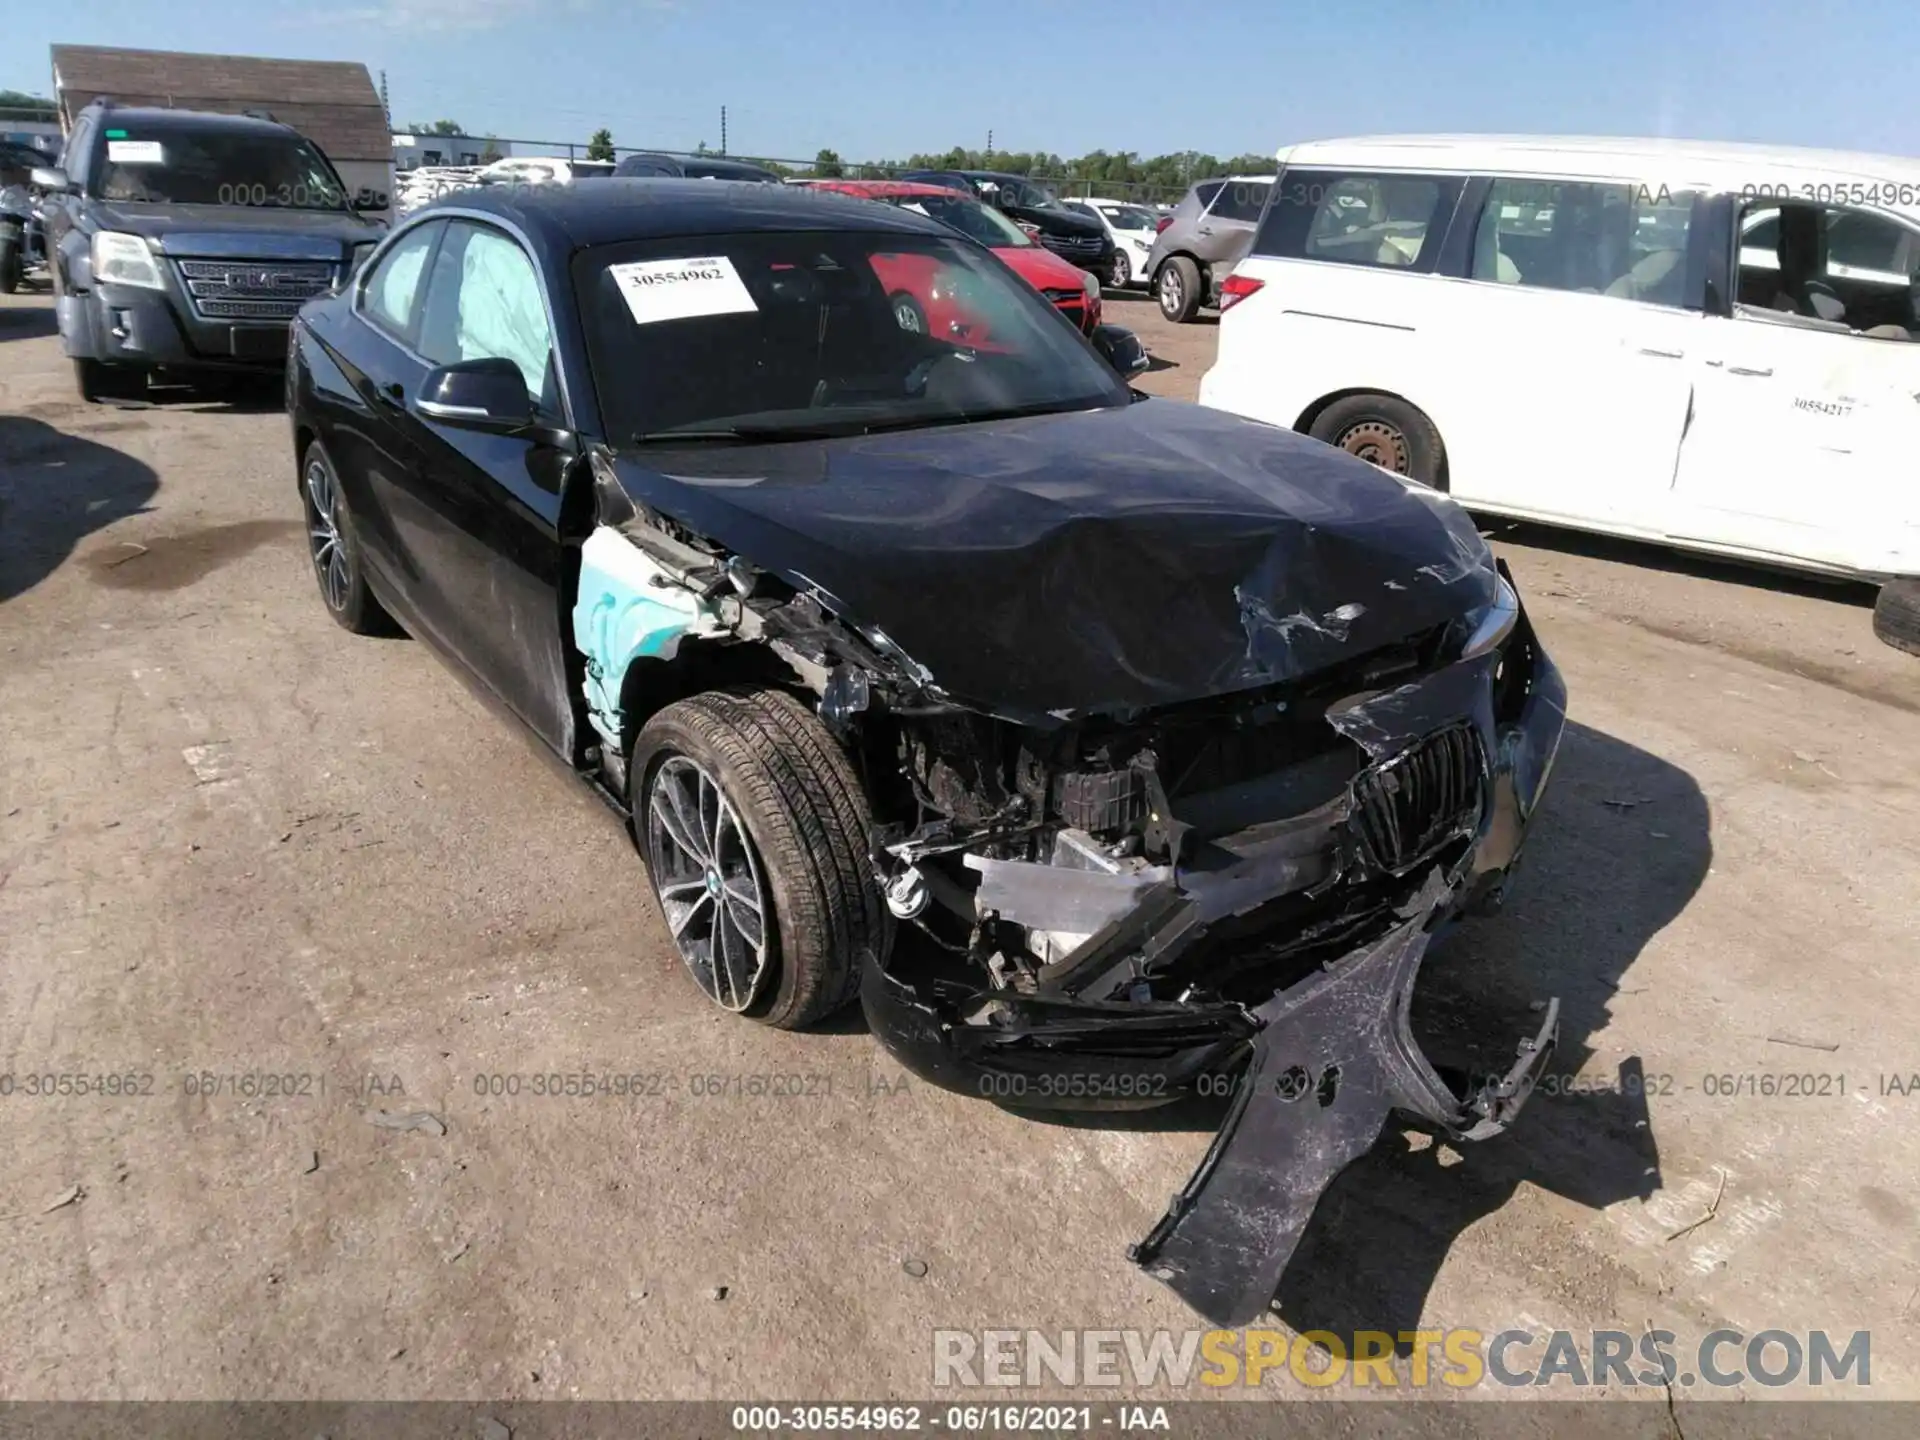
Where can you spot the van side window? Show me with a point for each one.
(1831, 267)
(1390, 221)
(1627, 241)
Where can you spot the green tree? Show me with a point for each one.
(491, 152)
(600, 146)
(827, 166)
(19, 100)
(438, 127)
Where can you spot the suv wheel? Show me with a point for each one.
(98, 381)
(1386, 432)
(1122, 273)
(1178, 289)
(755, 834)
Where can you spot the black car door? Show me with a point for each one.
(372, 451)
(478, 514)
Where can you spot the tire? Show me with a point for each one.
(334, 550)
(1177, 288)
(1386, 432)
(789, 820)
(1896, 615)
(907, 313)
(13, 267)
(1120, 273)
(97, 381)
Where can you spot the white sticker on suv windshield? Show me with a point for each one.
(134, 152)
(680, 289)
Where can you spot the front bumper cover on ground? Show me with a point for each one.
(1334, 1057)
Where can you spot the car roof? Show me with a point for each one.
(616, 209)
(1719, 165)
(157, 117)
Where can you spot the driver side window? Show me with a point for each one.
(484, 299)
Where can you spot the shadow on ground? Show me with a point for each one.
(26, 322)
(55, 490)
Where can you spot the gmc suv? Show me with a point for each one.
(186, 241)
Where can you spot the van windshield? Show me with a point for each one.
(174, 166)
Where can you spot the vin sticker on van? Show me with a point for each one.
(1822, 407)
(657, 290)
(135, 152)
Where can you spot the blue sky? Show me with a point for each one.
(874, 79)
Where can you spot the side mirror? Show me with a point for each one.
(488, 394)
(51, 178)
(1121, 349)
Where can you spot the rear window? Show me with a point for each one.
(1241, 200)
(1392, 222)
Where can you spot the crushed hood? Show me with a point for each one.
(1097, 561)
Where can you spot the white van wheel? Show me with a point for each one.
(1896, 615)
(1387, 432)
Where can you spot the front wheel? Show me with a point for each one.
(1121, 274)
(12, 266)
(907, 313)
(1896, 615)
(1178, 289)
(755, 834)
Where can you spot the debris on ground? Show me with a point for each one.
(718, 1292)
(412, 1120)
(1713, 1209)
(313, 1162)
(916, 1268)
(1795, 1040)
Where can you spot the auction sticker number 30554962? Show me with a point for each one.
(658, 290)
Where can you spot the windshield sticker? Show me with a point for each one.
(134, 152)
(658, 290)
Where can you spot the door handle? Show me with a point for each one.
(1664, 354)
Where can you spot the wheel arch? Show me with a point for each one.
(697, 664)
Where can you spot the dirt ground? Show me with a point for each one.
(237, 842)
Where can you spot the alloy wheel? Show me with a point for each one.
(1122, 271)
(1172, 295)
(709, 883)
(323, 535)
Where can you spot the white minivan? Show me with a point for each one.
(1711, 346)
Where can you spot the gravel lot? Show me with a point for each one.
(236, 840)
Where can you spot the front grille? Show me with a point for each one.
(253, 289)
(1087, 245)
(1072, 303)
(1407, 807)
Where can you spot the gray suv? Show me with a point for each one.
(1212, 228)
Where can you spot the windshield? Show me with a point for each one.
(1129, 217)
(787, 336)
(971, 218)
(279, 171)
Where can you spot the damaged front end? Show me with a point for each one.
(1233, 899)
(1120, 908)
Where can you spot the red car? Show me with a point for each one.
(922, 304)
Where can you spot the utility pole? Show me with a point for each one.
(385, 109)
(989, 143)
(723, 129)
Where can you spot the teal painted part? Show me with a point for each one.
(613, 626)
